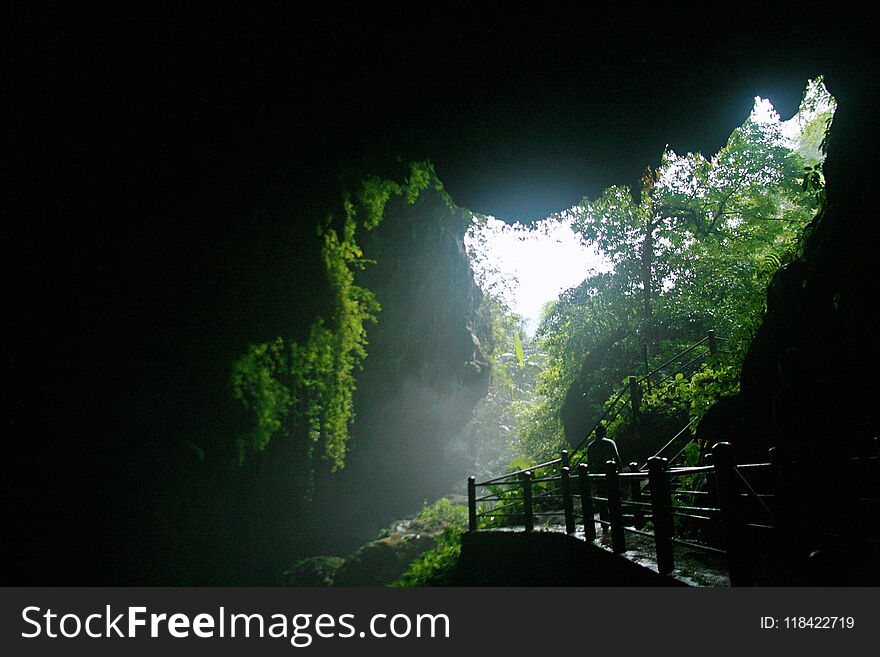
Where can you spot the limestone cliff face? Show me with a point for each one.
(431, 331)
(427, 365)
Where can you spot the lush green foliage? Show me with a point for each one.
(693, 251)
(684, 397)
(436, 517)
(448, 521)
(432, 568)
(701, 225)
(587, 319)
(697, 393)
(306, 389)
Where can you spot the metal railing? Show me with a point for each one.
(627, 400)
(723, 508)
(628, 397)
(664, 503)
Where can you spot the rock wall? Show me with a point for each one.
(822, 310)
(426, 370)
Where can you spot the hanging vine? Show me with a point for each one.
(305, 391)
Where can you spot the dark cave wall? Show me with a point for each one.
(823, 306)
(218, 523)
(425, 371)
(158, 498)
(808, 385)
(427, 366)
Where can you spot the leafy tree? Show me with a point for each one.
(700, 225)
(693, 250)
(584, 320)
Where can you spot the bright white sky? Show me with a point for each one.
(537, 263)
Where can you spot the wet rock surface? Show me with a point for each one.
(378, 563)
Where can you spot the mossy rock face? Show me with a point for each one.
(382, 561)
(314, 571)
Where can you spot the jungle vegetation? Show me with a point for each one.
(692, 249)
(303, 391)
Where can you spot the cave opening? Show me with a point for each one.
(616, 283)
(527, 267)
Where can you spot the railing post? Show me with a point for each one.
(472, 503)
(564, 458)
(567, 504)
(587, 502)
(615, 512)
(661, 509)
(635, 494)
(635, 396)
(731, 515)
(528, 508)
(713, 345)
(777, 461)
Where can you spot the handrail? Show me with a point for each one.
(673, 359)
(501, 506)
(709, 338)
(519, 472)
(751, 492)
(622, 499)
(543, 479)
(637, 474)
(577, 449)
(734, 505)
(623, 508)
(694, 469)
(671, 440)
(681, 368)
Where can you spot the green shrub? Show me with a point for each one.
(435, 518)
(434, 567)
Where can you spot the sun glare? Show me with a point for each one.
(527, 266)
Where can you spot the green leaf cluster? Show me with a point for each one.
(436, 517)
(306, 389)
(691, 395)
(432, 568)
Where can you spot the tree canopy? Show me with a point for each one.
(692, 249)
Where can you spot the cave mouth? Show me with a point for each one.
(528, 266)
